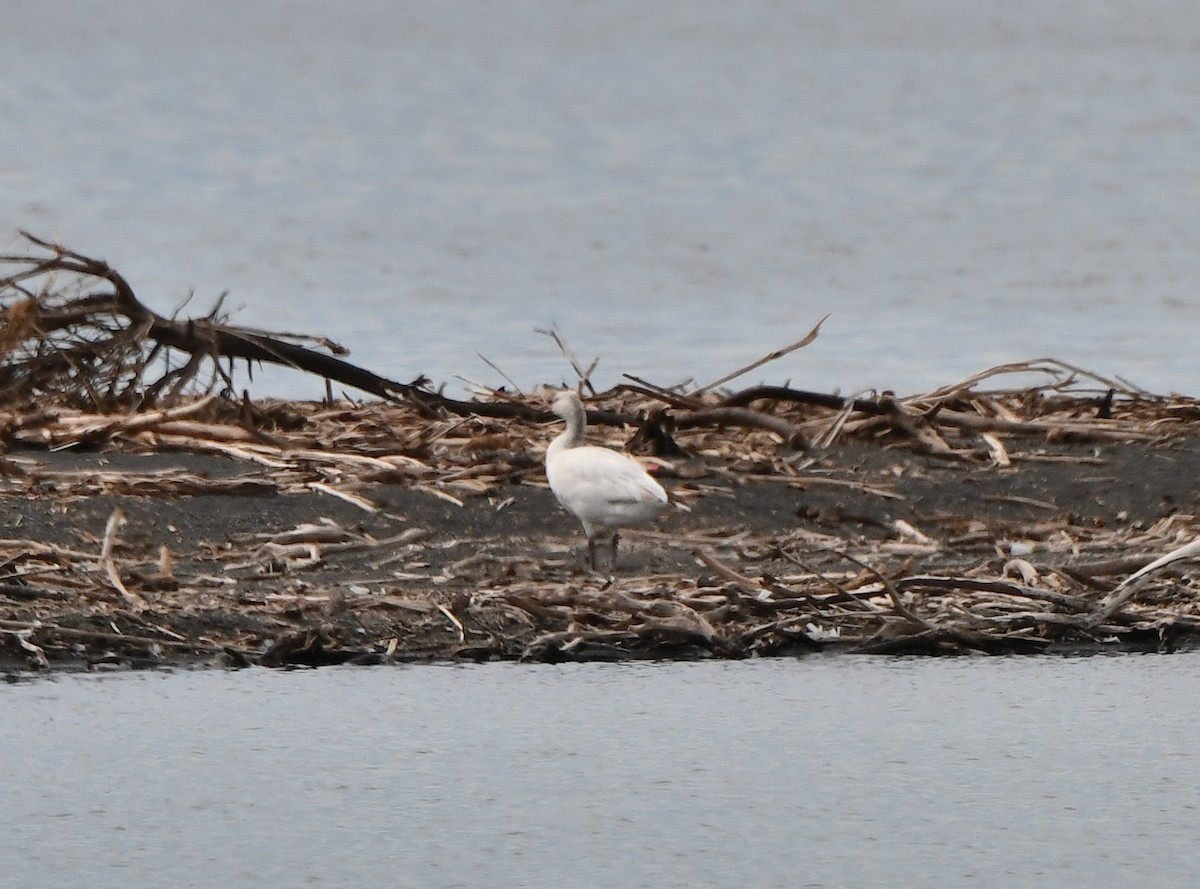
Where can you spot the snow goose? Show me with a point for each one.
(606, 490)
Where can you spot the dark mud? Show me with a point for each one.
(413, 580)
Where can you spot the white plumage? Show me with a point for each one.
(606, 490)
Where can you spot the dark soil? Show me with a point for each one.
(359, 604)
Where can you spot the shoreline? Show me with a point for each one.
(371, 534)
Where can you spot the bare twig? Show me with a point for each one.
(766, 359)
(583, 376)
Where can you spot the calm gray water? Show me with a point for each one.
(681, 186)
(822, 772)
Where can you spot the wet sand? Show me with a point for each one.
(260, 576)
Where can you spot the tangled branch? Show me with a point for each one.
(71, 327)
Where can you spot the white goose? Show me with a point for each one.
(606, 490)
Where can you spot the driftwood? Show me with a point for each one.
(50, 334)
(403, 590)
(402, 549)
(63, 338)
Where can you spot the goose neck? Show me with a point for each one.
(576, 420)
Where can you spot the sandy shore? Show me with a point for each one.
(153, 517)
(211, 560)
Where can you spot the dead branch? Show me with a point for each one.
(106, 341)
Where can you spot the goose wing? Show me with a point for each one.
(604, 488)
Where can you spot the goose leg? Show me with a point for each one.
(613, 565)
(592, 551)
